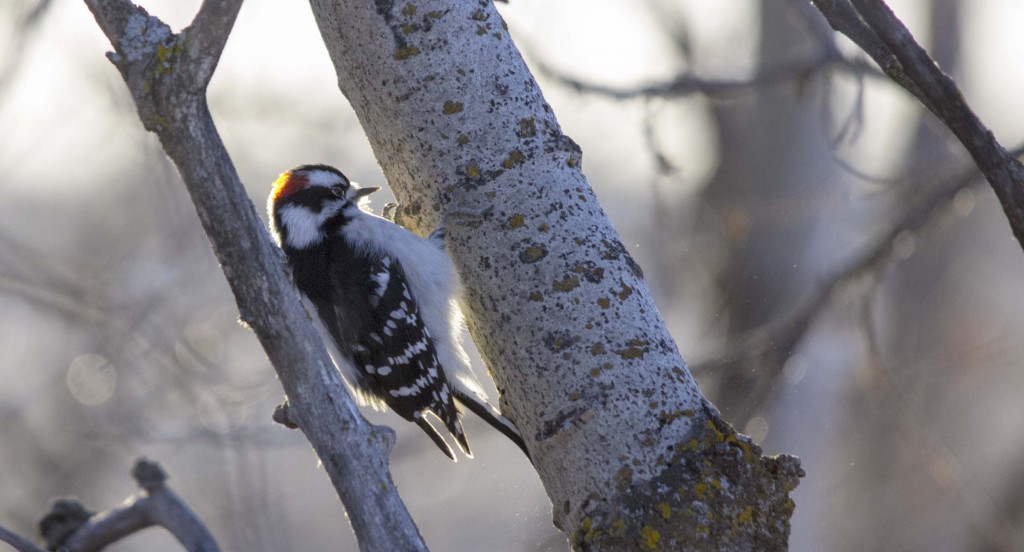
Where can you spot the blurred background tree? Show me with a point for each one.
(745, 197)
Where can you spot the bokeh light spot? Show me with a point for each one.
(91, 379)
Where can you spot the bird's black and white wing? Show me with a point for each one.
(397, 359)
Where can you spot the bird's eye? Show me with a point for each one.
(338, 191)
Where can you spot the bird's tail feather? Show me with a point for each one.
(482, 408)
(435, 437)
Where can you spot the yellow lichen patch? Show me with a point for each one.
(534, 254)
(165, 55)
(667, 417)
(688, 413)
(409, 29)
(543, 227)
(451, 108)
(588, 529)
(597, 349)
(700, 490)
(664, 510)
(514, 158)
(623, 478)
(479, 15)
(625, 292)
(536, 296)
(516, 220)
(594, 372)
(604, 303)
(462, 139)
(649, 537)
(481, 30)
(719, 436)
(631, 352)
(527, 128)
(636, 342)
(156, 121)
(435, 14)
(618, 528)
(409, 10)
(472, 171)
(568, 283)
(746, 516)
(406, 53)
(748, 453)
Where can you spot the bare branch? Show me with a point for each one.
(167, 75)
(687, 83)
(71, 528)
(207, 35)
(19, 543)
(874, 27)
(843, 18)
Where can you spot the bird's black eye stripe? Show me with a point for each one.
(338, 190)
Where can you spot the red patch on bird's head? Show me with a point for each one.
(287, 184)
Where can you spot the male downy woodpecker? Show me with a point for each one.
(384, 299)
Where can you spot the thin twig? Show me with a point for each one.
(688, 84)
(875, 28)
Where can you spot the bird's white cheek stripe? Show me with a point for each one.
(303, 225)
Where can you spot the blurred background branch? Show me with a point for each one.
(25, 17)
(70, 527)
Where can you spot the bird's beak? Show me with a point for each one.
(360, 193)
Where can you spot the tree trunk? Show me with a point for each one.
(630, 453)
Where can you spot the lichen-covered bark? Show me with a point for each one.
(556, 305)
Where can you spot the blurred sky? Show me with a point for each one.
(69, 131)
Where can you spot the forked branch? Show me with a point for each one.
(167, 74)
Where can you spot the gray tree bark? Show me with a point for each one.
(629, 451)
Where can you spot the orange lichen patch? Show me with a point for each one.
(287, 184)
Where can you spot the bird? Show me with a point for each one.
(384, 301)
